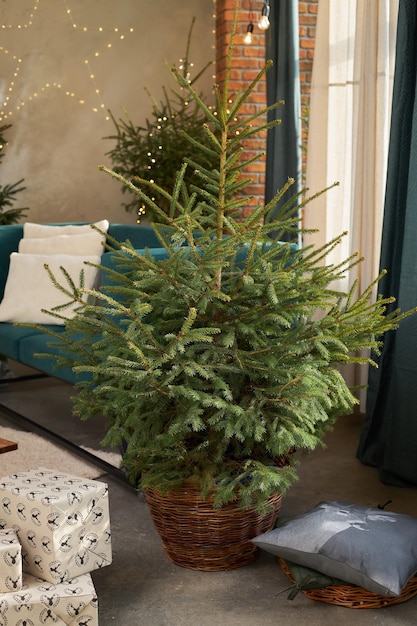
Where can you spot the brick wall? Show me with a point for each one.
(246, 63)
(248, 60)
(307, 20)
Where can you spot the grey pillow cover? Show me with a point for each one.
(368, 547)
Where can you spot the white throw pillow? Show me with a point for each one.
(32, 231)
(29, 288)
(87, 244)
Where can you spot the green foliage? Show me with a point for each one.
(306, 578)
(156, 150)
(216, 362)
(8, 193)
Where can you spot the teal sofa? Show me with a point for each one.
(24, 344)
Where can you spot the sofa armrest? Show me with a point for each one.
(10, 235)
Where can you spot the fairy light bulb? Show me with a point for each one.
(264, 22)
(248, 37)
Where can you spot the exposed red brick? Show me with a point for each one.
(247, 62)
(307, 19)
(307, 12)
(307, 43)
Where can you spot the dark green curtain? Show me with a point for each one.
(283, 153)
(389, 435)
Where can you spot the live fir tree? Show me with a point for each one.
(8, 193)
(155, 151)
(214, 364)
(8, 215)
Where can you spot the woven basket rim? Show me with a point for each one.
(190, 492)
(195, 535)
(352, 596)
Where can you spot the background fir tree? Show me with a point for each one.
(155, 151)
(8, 215)
(9, 192)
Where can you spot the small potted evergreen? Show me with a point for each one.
(154, 150)
(8, 213)
(213, 364)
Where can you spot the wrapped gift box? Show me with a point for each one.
(62, 522)
(73, 602)
(10, 561)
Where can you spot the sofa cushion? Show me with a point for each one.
(139, 236)
(29, 288)
(86, 244)
(11, 336)
(31, 230)
(10, 236)
(32, 351)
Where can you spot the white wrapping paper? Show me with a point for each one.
(72, 603)
(62, 522)
(10, 561)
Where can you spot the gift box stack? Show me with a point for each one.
(54, 531)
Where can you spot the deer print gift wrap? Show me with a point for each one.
(10, 561)
(62, 522)
(73, 602)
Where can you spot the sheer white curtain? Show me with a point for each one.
(349, 126)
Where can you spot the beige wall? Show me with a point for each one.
(56, 143)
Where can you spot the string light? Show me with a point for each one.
(112, 35)
(248, 37)
(26, 24)
(264, 22)
(96, 54)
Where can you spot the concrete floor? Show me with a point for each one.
(143, 588)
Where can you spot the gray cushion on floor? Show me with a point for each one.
(369, 547)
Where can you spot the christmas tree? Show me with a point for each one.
(213, 364)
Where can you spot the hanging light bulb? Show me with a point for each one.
(248, 37)
(264, 22)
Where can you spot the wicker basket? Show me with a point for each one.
(199, 537)
(354, 597)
